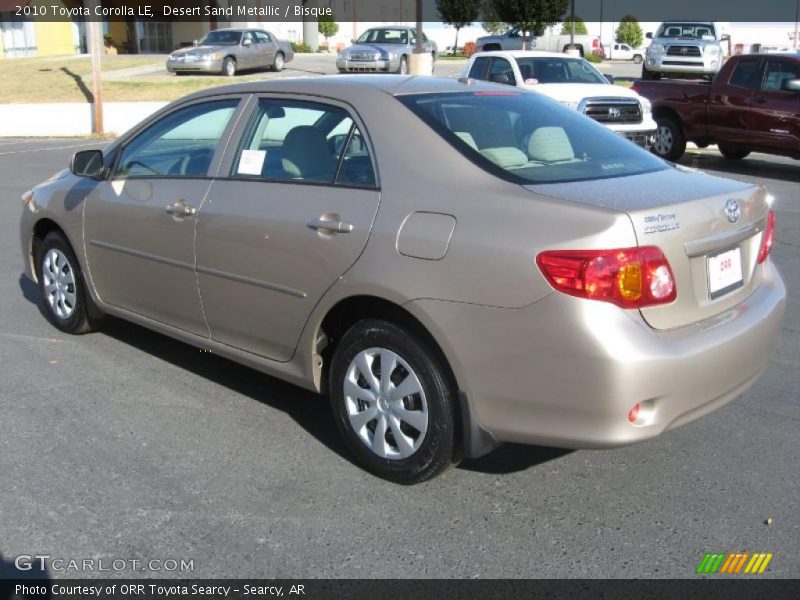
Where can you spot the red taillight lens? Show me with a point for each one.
(768, 239)
(627, 277)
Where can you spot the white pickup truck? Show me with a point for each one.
(618, 51)
(572, 81)
(513, 38)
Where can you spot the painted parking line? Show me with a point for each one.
(26, 151)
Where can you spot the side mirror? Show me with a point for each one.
(610, 78)
(499, 78)
(649, 35)
(87, 163)
(790, 85)
(247, 42)
(724, 37)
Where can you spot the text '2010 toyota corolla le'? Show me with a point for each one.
(456, 264)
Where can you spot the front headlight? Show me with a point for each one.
(211, 56)
(656, 49)
(393, 55)
(646, 106)
(712, 50)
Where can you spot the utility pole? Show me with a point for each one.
(96, 50)
(796, 23)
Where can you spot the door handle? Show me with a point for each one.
(181, 208)
(328, 223)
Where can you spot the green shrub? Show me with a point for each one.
(301, 47)
(593, 58)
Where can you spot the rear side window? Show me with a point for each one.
(777, 72)
(289, 140)
(745, 74)
(181, 144)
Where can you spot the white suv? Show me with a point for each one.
(572, 81)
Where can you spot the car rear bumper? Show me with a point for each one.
(566, 371)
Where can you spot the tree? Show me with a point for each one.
(327, 27)
(491, 22)
(530, 16)
(578, 25)
(459, 13)
(629, 32)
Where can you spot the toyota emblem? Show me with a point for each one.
(614, 112)
(732, 210)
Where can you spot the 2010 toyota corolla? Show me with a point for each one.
(456, 264)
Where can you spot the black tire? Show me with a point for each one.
(649, 75)
(179, 73)
(732, 153)
(402, 68)
(435, 451)
(637, 59)
(278, 63)
(669, 142)
(229, 66)
(79, 319)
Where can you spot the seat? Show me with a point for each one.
(550, 145)
(306, 155)
(466, 138)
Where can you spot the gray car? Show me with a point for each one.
(228, 51)
(455, 264)
(383, 49)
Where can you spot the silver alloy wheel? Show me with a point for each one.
(662, 143)
(385, 403)
(279, 62)
(58, 278)
(230, 68)
(403, 66)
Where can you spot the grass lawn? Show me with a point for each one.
(69, 79)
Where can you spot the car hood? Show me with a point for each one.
(575, 92)
(383, 48)
(200, 49)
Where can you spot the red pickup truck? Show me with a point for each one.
(753, 104)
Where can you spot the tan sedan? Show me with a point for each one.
(455, 264)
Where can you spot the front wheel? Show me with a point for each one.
(669, 141)
(402, 68)
(229, 67)
(279, 63)
(67, 303)
(648, 75)
(393, 402)
(732, 153)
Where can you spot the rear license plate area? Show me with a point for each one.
(724, 272)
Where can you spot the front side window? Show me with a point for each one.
(501, 71)
(289, 140)
(478, 69)
(182, 144)
(778, 71)
(745, 75)
(527, 138)
(262, 37)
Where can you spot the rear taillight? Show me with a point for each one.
(768, 239)
(627, 277)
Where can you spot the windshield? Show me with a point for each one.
(527, 138)
(558, 70)
(689, 31)
(222, 38)
(384, 36)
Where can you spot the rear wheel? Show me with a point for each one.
(732, 153)
(67, 303)
(637, 58)
(279, 63)
(669, 141)
(393, 402)
(402, 68)
(229, 67)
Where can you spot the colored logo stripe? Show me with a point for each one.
(734, 562)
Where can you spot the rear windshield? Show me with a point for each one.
(525, 137)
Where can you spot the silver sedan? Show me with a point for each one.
(383, 49)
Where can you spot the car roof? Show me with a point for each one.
(524, 54)
(353, 89)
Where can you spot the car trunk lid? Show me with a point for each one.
(707, 227)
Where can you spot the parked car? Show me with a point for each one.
(753, 105)
(575, 83)
(456, 264)
(684, 49)
(514, 38)
(618, 51)
(228, 51)
(383, 49)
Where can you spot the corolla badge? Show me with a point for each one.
(732, 210)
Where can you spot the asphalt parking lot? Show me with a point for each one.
(129, 445)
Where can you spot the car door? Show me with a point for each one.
(139, 224)
(291, 214)
(728, 110)
(248, 52)
(776, 112)
(267, 49)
